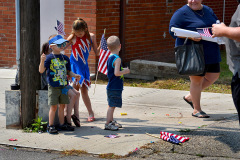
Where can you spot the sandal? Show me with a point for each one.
(190, 103)
(76, 121)
(91, 119)
(200, 115)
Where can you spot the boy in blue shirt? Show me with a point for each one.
(58, 67)
(115, 82)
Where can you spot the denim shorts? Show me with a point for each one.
(114, 98)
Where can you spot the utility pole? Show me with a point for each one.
(29, 58)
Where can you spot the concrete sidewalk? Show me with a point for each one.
(148, 110)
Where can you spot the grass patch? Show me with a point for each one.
(74, 152)
(199, 155)
(222, 85)
(111, 156)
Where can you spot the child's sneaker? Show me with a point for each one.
(117, 124)
(111, 127)
(66, 127)
(51, 130)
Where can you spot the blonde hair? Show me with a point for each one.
(81, 25)
(113, 43)
(53, 35)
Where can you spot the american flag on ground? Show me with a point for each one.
(60, 28)
(173, 138)
(104, 54)
(204, 32)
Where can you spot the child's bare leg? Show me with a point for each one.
(61, 113)
(76, 105)
(86, 100)
(110, 114)
(76, 86)
(51, 115)
(72, 99)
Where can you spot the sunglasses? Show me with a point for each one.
(61, 45)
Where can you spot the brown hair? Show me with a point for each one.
(81, 25)
(45, 48)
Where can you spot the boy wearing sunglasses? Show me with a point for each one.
(58, 67)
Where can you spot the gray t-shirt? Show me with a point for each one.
(233, 47)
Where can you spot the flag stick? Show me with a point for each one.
(152, 135)
(97, 70)
(95, 82)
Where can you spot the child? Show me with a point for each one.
(45, 50)
(72, 93)
(82, 41)
(115, 82)
(57, 66)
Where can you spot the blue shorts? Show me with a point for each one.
(114, 98)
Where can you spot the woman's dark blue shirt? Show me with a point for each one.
(186, 18)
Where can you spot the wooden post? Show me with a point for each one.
(29, 58)
(122, 28)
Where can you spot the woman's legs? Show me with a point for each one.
(195, 92)
(209, 79)
(198, 84)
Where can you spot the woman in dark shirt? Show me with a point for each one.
(191, 16)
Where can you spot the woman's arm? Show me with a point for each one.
(197, 39)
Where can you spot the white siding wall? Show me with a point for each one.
(50, 12)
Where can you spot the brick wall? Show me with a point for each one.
(7, 34)
(85, 9)
(146, 34)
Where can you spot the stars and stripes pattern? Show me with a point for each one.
(173, 138)
(60, 28)
(204, 32)
(104, 54)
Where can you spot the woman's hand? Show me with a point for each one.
(197, 39)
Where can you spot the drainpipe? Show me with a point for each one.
(17, 9)
(122, 28)
(223, 10)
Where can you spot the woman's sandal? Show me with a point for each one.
(190, 103)
(200, 115)
(91, 119)
(76, 121)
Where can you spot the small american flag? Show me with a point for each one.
(60, 28)
(173, 138)
(204, 32)
(104, 54)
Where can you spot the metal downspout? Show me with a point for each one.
(122, 28)
(17, 9)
